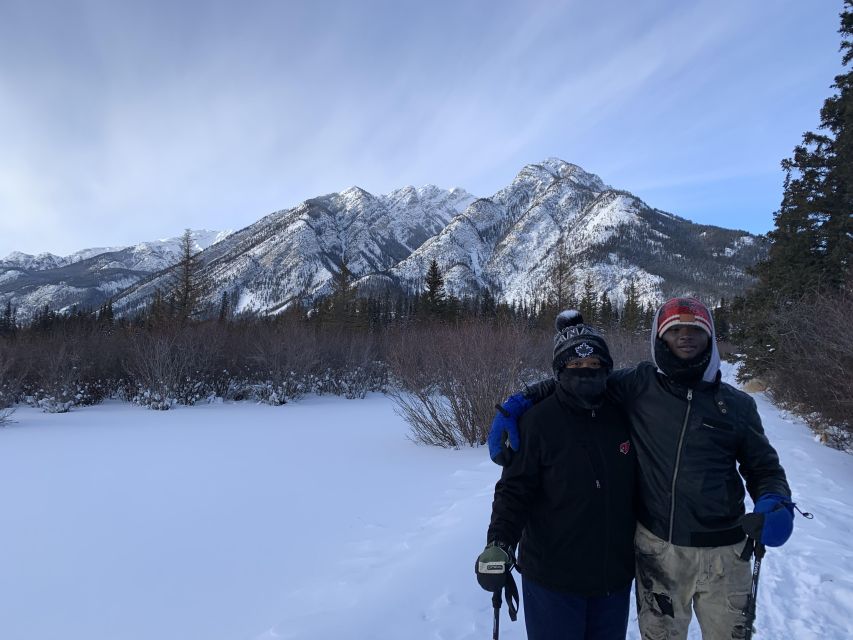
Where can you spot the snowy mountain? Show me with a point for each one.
(89, 277)
(507, 243)
(291, 254)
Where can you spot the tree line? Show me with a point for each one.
(437, 349)
(793, 326)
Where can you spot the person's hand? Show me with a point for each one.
(493, 566)
(772, 521)
(503, 437)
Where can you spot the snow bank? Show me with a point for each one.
(313, 520)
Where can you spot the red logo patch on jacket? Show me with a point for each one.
(625, 447)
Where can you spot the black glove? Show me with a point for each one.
(493, 566)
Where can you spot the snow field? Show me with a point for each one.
(315, 520)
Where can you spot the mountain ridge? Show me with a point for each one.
(505, 242)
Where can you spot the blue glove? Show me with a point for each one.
(503, 436)
(772, 520)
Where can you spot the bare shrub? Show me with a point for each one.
(9, 385)
(813, 363)
(157, 367)
(628, 348)
(449, 377)
(200, 350)
(11, 376)
(283, 358)
(57, 363)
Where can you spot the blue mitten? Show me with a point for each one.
(774, 521)
(503, 436)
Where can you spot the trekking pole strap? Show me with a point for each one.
(511, 595)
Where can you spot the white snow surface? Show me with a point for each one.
(314, 520)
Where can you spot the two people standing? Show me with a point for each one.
(695, 437)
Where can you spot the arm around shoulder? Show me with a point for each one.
(516, 489)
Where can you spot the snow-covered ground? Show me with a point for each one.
(315, 520)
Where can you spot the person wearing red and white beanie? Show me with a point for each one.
(684, 346)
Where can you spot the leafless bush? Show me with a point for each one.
(628, 348)
(9, 385)
(158, 363)
(283, 357)
(814, 361)
(57, 362)
(448, 378)
(10, 376)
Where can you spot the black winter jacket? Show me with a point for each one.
(568, 494)
(689, 444)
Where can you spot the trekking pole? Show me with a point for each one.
(753, 596)
(496, 603)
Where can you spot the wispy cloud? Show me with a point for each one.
(126, 121)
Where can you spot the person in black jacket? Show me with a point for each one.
(693, 434)
(568, 496)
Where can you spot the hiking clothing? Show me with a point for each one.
(689, 442)
(673, 581)
(570, 489)
(555, 615)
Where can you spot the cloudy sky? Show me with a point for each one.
(129, 121)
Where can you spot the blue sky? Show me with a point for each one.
(129, 121)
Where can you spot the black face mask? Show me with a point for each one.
(684, 371)
(585, 387)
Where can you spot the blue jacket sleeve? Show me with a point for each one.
(516, 489)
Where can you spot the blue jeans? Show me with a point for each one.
(554, 615)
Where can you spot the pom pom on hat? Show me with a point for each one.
(568, 318)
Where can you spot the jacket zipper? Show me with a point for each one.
(589, 456)
(678, 463)
(606, 497)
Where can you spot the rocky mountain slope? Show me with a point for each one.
(89, 277)
(507, 242)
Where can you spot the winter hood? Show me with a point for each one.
(713, 367)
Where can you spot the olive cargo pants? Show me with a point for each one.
(674, 581)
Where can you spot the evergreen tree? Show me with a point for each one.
(105, 318)
(488, 305)
(589, 302)
(606, 313)
(435, 296)
(159, 312)
(224, 307)
(188, 288)
(632, 311)
(8, 321)
(339, 308)
(722, 320)
(812, 240)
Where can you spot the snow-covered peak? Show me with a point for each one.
(45, 261)
(554, 169)
(29, 261)
(429, 195)
(354, 196)
(202, 239)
